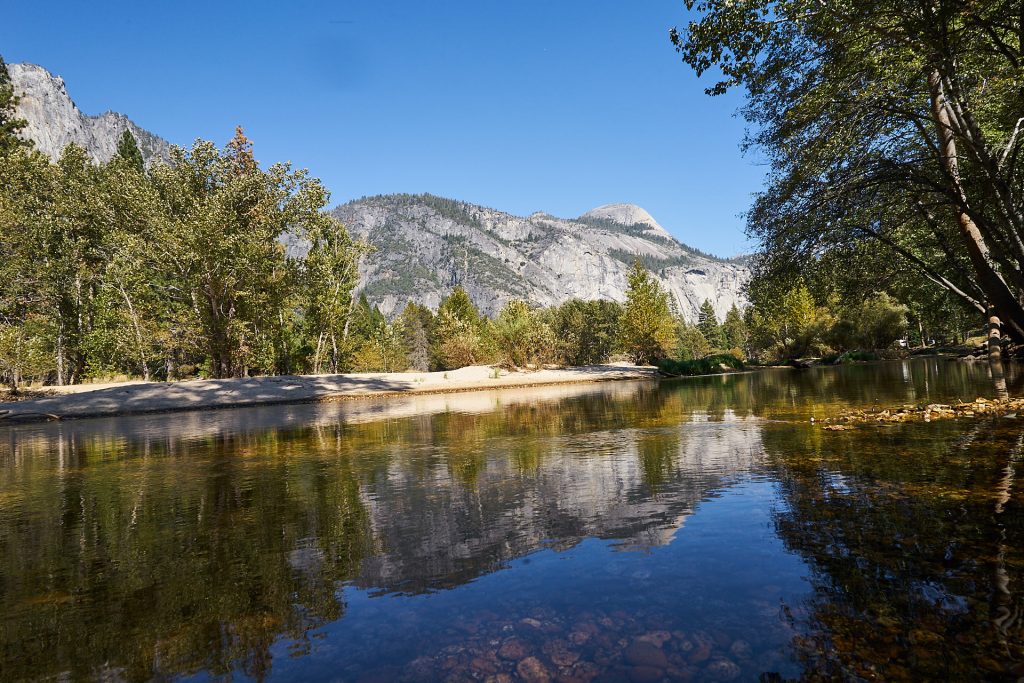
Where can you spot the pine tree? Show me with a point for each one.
(647, 330)
(128, 151)
(691, 342)
(10, 124)
(734, 329)
(416, 324)
(708, 325)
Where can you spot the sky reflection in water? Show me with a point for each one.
(697, 530)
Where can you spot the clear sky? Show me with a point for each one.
(521, 105)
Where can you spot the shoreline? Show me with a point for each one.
(136, 398)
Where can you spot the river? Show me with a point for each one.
(698, 529)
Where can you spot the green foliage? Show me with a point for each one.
(10, 125)
(707, 323)
(128, 151)
(790, 325)
(522, 337)
(382, 349)
(24, 353)
(691, 343)
(709, 365)
(874, 323)
(124, 272)
(892, 129)
(458, 332)
(417, 323)
(330, 273)
(585, 331)
(646, 328)
(734, 329)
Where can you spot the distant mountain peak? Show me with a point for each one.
(626, 214)
(55, 121)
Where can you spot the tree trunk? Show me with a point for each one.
(995, 349)
(143, 364)
(1006, 304)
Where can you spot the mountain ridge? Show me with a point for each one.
(55, 121)
(426, 244)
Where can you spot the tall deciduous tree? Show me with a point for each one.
(222, 246)
(332, 272)
(896, 122)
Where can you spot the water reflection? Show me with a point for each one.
(916, 540)
(700, 528)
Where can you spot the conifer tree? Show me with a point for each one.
(734, 329)
(647, 330)
(707, 323)
(416, 323)
(128, 151)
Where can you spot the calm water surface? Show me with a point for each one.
(700, 530)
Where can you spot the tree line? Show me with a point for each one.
(646, 329)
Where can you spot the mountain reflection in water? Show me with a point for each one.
(700, 529)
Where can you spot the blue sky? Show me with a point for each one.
(527, 105)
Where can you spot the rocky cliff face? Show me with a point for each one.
(425, 245)
(54, 121)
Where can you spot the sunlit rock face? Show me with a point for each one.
(54, 121)
(425, 245)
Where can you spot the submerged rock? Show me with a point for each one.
(722, 669)
(512, 649)
(533, 670)
(643, 653)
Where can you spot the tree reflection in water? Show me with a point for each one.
(916, 539)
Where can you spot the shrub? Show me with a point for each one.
(709, 365)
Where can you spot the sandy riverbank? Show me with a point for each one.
(130, 398)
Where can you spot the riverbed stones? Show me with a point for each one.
(645, 654)
(513, 649)
(722, 669)
(656, 638)
(560, 653)
(980, 407)
(533, 670)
